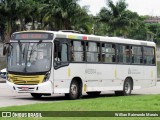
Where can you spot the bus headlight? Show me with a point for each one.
(46, 77)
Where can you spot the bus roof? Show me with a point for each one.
(103, 38)
(71, 35)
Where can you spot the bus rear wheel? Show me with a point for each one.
(74, 90)
(127, 88)
(36, 95)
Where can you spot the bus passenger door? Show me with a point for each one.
(61, 66)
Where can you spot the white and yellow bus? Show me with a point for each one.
(48, 62)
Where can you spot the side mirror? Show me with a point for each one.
(5, 48)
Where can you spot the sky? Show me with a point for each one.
(142, 7)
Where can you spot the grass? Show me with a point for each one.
(109, 103)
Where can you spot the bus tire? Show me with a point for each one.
(127, 88)
(74, 90)
(36, 95)
(94, 94)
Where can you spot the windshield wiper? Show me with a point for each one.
(33, 49)
(20, 45)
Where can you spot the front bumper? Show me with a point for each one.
(45, 87)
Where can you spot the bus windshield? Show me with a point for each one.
(29, 57)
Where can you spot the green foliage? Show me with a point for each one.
(112, 20)
(154, 29)
(112, 103)
(103, 103)
(50, 15)
(140, 32)
(118, 18)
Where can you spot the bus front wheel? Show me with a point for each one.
(74, 90)
(36, 95)
(127, 88)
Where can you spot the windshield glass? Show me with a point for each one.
(29, 57)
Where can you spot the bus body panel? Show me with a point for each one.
(95, 76)
(111, 77)
(64, 75)
(46, 88)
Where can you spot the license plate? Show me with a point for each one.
(25, 88)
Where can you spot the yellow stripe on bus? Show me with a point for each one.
(69, 72)
(115, 73)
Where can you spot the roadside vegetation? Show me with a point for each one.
(103, 103)
(113, 20)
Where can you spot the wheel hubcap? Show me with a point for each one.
(73, 89)
(127, 87)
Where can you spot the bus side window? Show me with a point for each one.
(71, 52)
(60, 53)
(56, 51)
(113, 53)
(127, 54)
(77, 51)
(92, 50)
(108, 53)
(149, 55)
(64, 52)
(137, 55)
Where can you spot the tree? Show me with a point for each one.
(139, 32)
(66, 15)
(52, 14)
(81, 21)
(118, 18)
(59, 13)
(154, 29)
(8, 10)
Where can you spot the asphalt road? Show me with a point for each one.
(10, 98)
